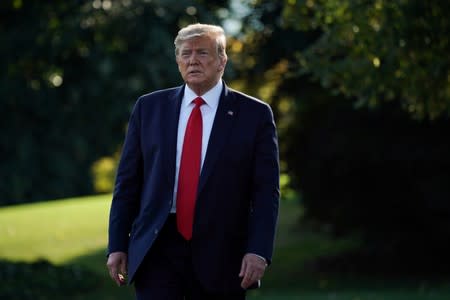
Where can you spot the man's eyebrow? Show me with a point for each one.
(185, 50)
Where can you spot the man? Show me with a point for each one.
(195, 205)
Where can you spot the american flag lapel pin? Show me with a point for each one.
(230, 113)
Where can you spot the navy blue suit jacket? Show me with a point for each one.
(238, 193)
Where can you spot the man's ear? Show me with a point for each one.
(222, 65)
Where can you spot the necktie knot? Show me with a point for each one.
(199, 101)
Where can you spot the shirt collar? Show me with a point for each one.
(211, 97)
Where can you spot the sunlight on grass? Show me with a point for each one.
(56, 230)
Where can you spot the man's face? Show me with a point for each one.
(199, 63)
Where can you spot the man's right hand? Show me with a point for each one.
(117, 266)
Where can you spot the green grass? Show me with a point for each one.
(57, 230)
(73, 233)
(64, 232)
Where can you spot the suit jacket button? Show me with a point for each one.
(156, 231)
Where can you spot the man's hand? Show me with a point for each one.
(252, 269)
(117, 266)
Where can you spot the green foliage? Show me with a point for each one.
(374, 170)
(42, 280)
(104, 173)
(378, 169)
(377, 51)
(71, 71)
(376, 173)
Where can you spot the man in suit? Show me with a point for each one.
(195, 204)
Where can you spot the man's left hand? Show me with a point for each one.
(252, 269)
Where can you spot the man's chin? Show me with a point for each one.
(199, 87)
(195, 77)
(195, 82)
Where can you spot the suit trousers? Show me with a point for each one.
(167, 272)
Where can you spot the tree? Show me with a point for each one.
(378, 51)
(360, 89)
(71, 71)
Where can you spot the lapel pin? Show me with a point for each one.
(230, 113)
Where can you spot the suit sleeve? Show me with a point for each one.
(126, 197)
(265, 189)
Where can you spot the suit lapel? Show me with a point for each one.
(223, 121)
(170, 119)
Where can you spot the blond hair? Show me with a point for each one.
(198, 30)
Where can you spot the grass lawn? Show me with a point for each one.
(73, 232)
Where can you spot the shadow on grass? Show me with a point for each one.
(82, 278)
(43, 280)
(292, 276)
(307, 263)
(107, 289)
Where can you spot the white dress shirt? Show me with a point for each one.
(208, 111)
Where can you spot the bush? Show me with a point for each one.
(377, 173)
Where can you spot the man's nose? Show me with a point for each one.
(193, 59)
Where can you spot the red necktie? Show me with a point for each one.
(189, 172)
